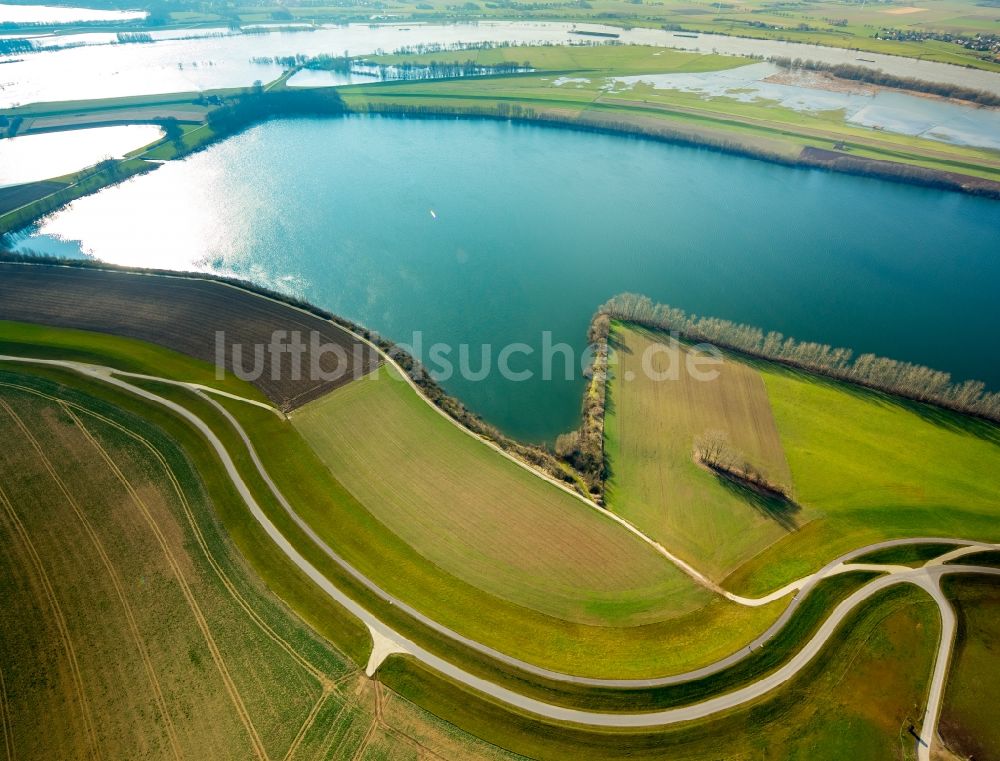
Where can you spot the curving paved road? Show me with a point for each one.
(926, 577)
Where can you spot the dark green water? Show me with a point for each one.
(534, 227)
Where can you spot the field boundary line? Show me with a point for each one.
(60, 617)
(375, 723)
(116, 582)
(202, 622)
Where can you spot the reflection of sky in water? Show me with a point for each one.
(56, 15)
(51, 154)
(891, 111)
(309, 78)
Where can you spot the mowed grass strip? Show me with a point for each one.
(481, 517)
(876, 467)
(656, 412)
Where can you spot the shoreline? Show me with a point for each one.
(616, 123)
(532, 456)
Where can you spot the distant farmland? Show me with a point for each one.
(183, 314)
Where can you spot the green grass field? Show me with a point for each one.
(650, 431)
(856, 483)
(969, 718)
(844, 446)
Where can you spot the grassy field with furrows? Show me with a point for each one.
(484, 519)
(205, 319)
(657, 411)
(134, 627)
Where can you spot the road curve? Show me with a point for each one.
(926, 577)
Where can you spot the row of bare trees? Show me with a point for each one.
(902, 378)
(714, 450)
(883, 79)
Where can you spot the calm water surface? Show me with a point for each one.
(52, 14)
(534, 227)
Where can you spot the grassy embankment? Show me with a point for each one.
(173, 648)
(591, 99)
(855, 701)
(894, 633)
(912, 555)
(855, 483)
(989, 558)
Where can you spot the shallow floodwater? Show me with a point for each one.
(889, 110)
(314, 78)
(491, 233)
(183, 60)
(52, 154)
(51, 14)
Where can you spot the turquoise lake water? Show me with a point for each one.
(533, 227)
